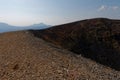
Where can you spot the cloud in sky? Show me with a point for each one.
(102, 8)
(105, 7)
(115, 7)
(54, 12)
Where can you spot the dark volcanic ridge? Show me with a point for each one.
(97, 39)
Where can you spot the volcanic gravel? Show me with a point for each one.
(25, 57)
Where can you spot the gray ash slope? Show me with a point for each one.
(26, 57)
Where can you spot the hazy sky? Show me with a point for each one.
(27, 12)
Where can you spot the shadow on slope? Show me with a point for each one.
(97, 39)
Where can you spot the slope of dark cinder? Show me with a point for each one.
(97, 39)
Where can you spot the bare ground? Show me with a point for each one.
(25, 57)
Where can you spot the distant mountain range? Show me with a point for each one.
(6, 27)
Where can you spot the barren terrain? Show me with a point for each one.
(26, 57)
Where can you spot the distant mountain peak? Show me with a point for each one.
(39, 24)
(2, 23)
